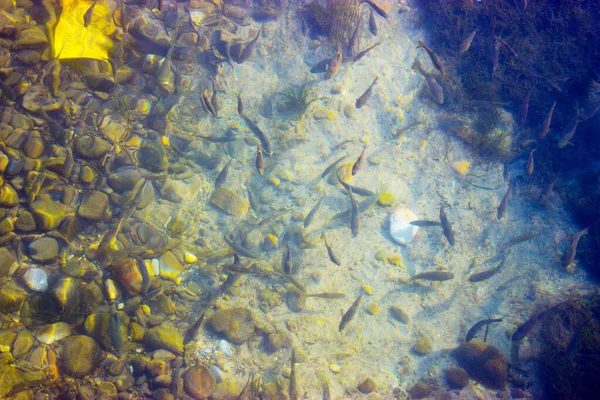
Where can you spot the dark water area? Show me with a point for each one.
(252, 199)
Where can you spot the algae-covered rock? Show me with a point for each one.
(22, 344)
(6, 261)
(269, 299)
(48, 214)
(7, 338)
(236, 324)
(483, 362)
(199, 382)
(420, 390)
(278, 339)
(423, 346)
(44, 249)
(165, 336)
(80, 355)
(11, 298)
(229, 202)
(94, 206)
(457, 378)
(367, 386)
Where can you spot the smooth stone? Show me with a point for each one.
(229, 202)
(107, 391)
(67, 292)
(52, 333)
(170, 267)
(199, 382)
(25, 222)
(420, 390)
(367, 386)
(177, 191)
(47, 213)
(99, 81)
(23, 343)
(399, 314)
(165, 336)
(457, 378)
(28, 57)
(6, 262)
(127, 273)
(124, 179)
(423, 346)
(94, 206)
(80, 356)
(8, 196)
(114, 127)
(400, 229)
(11, 298)
(7, 338)
(236, 324)
(44, 249)
(92, 147)
(36, 279)
(6, 226)
(31, 37)
(153, 156)
(277, 340)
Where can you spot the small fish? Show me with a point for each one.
(239, 249)
(466, 44)
(304, 27)
(273, 217)
(245, 393)
(425, 223)
(238, 269)
(324, 385)
(229, 282)
(437, 276)
(436, 91)
(354, 220)
(87, 17)
(446, 227)
(293, 383)
(569, 131)
(311, 215)
(363, 53)
(331, 167)
(249, 49)
(372, 24)
(357, 190)
(114, 330)
(240, 105)
(260, 161)
(529, 165)
(341, 144)
(546, 124)
(349, 315)
(524, 109)
(355, 36)
(359, 161)
(526, 327)
(478, 325)
(287, 260)
(214, 101)
(165, 75)
(486, 103)
(376, 8)
(253, 201)
(362, 100)
(362, 207)
(404, 129)
(329, 295)
(259, 134)
(206, 104)
(335, 64)
(504, 203)
(111, 235)
(437, 62)
(508, 47)
(569, 254)
(145, 275)
(495, 56)
(332, 257)
(222, 175)
(482, 276)
(524, 237)
(193, 330)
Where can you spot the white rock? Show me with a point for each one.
(400, 229)
(36, 279)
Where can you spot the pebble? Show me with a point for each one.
(399, 314)
(423, 346)
(199, 382)
(335, 368)
(165, 336)
(373, 309)
(36, 279)
(367, 386)
(80, 356)
(229, 202)
(23, 343)
(236, 324)
(457, 378)
(420, 390)
(44, 249)
(94, 206)
(52, 333)
(225, 347)
(400, 229)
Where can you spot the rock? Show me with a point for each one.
(199, 383)
(94, 206)
(278, 339)
(44, 249)
(399, 314)
(92, 147)
(483, 362)
(36, 279)
(165, 336)
(25, 222)
(124, 382)
(177, 191)
(152, 156)
(124, 179)
(7, 338)
(32, 37)
(47, 213)
(236, 324)
(367, 386)
(11, 298)
(170, 267)
(420, 390)
(106, 391)
(226, 389)
(99, 81)
(400, 229)
(423, 346)
(457, 378)
(80, 356)
(38, 99)
(52, 333)
(229, 202)
(23, 343)
(6, 262)
(127, 273)
(114, 127)
(8, 196)
(150, 35)
(295, 299)
(28, 57)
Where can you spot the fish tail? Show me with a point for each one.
(421, 45)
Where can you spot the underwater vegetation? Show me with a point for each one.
(297, 98)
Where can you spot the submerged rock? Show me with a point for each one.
(80, 356)
(165, 336)
(485, 363)
(457, 378)
(229, 202)
(367, 386)
(94, 206)
(423, 346)
(400, 228)
(11, 298)
(236, 324)
(44, 249)
(199, 382)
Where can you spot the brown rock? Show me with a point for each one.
(199, 382)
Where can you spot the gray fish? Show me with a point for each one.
(364, 52)
(176, 383)
(569, 254)
(362, 207)
(313, 212)
(376, 8)
(222, 175)
(332, 256)
(287, 260)
(114, 330)
(240, 105)
(354, 220)
(478, 325)
(145, 275)
(249, 49)
(569, 131)
(437, 276)
(524, 109)
(466, 44)
(357, 190)
(362, 100)
(373, 24)
(524, 237)
(330, 168)
(165, 75)
(425, 223)
(404, 129)
(546, 124)
(436, 91)
(526, 327)
(446, 227)
(349, 315)
(324, 385)
(239, 249)
(508, 47)
(437, 62)
(260, 161)
(495, 56)
(259, 134)
(358, 163)
(482, 276)
(504, 203)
